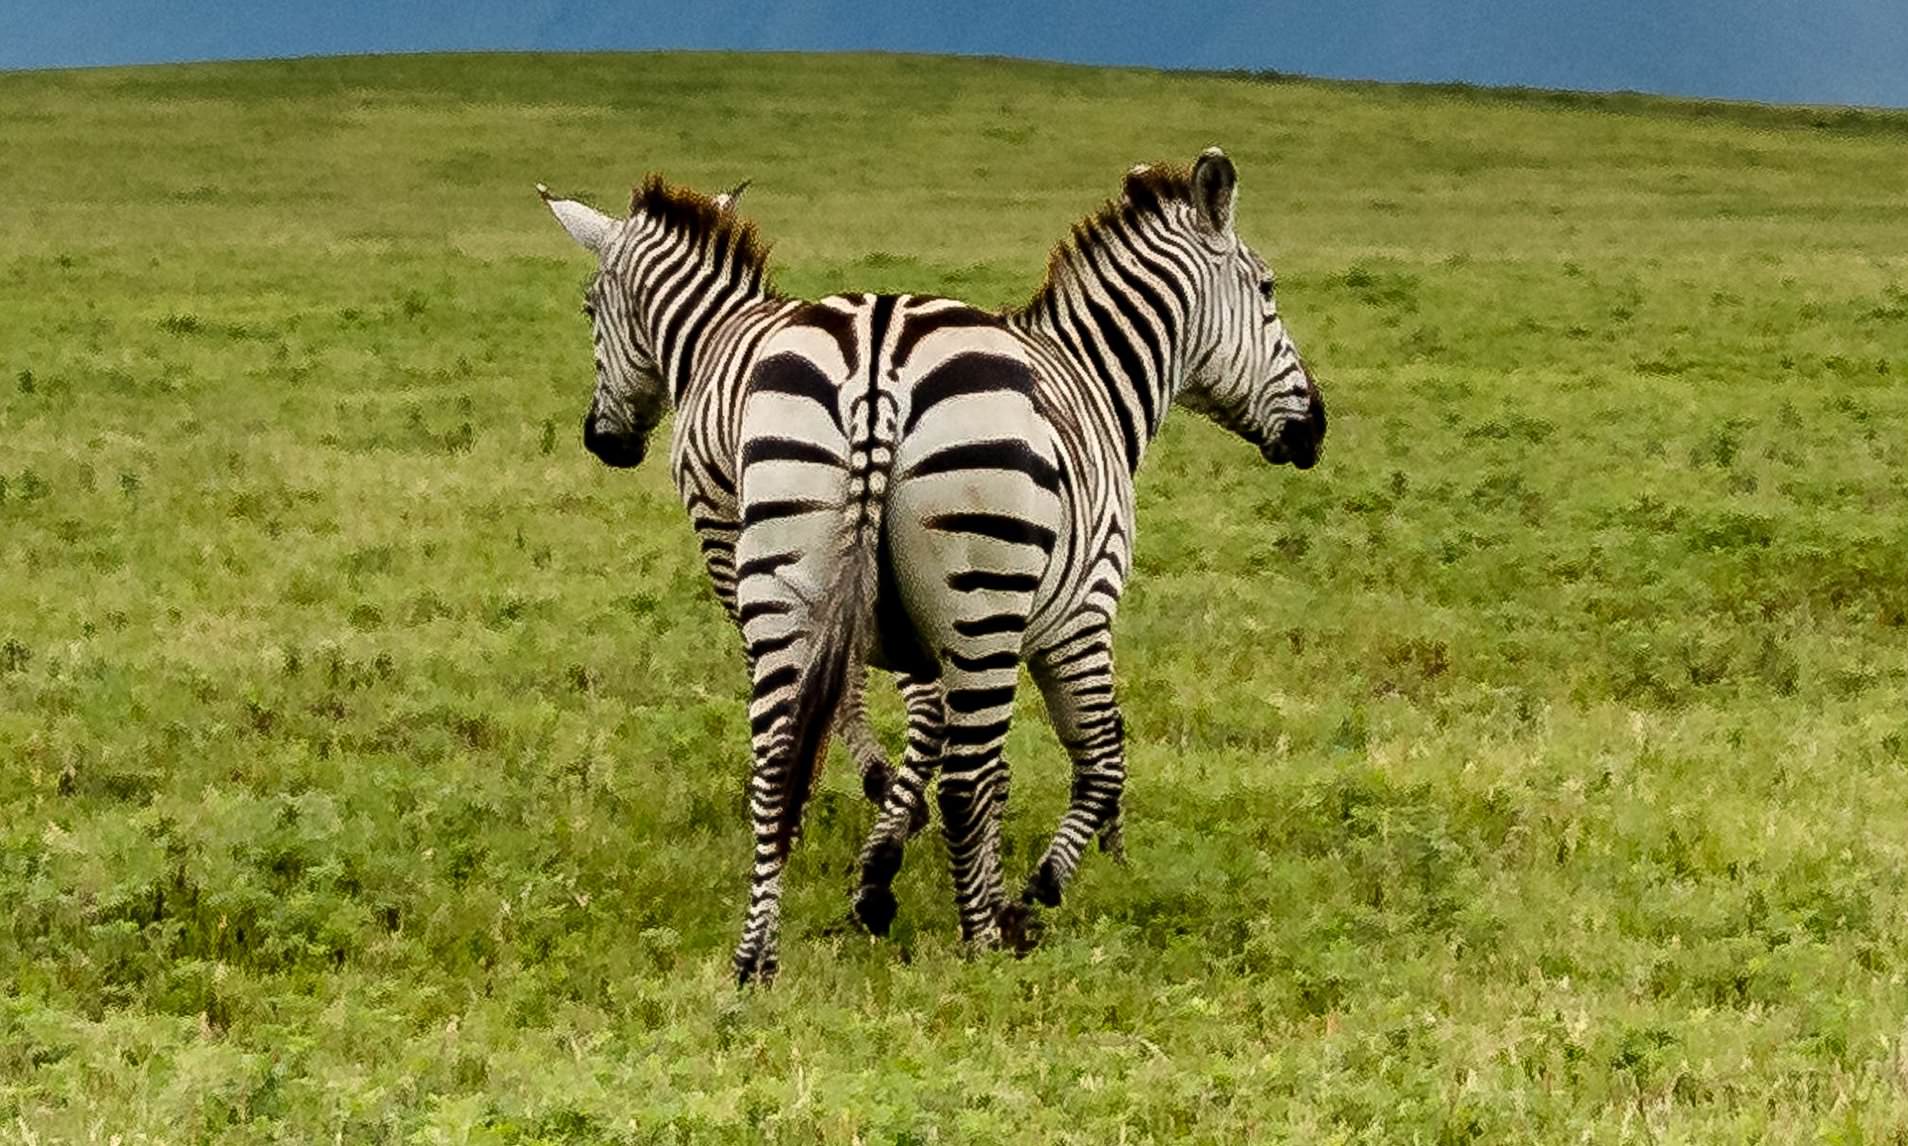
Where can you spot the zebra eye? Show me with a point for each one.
(589, 310)
(1265, 288)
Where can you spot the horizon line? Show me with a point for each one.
(1514, 92)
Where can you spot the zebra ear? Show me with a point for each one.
(1215, 184)
(588, 226)
(726, 200)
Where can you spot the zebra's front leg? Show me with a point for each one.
(1077, 683)
(927, 728)
(857, 735)
(904, 806)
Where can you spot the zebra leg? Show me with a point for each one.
(1077, 682)
(774, 673)
(927, 718)
(904, 810)
(857, 735)
(973, 797)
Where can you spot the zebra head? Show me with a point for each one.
(1246, 373)
(632, 392)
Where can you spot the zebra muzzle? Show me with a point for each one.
(1296, 442)
(618, 450)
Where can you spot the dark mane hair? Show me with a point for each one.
(1145, 193)
(696, 216)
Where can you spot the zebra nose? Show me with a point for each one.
(612, 449)
(1297, 440)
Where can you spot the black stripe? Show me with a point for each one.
(971, 700)
(991, 625)
(997, 454)
(790, 373)
(878, 321)
(998, 526)
(1007, 659)
(969, 580)
(757, 512)
(763, 721)
(969, 735)
(967, 374)
(781, 677)
(837, 324)
(756, 609)
(766, 564)
(768, 645)
(778, 449)
(919, 326)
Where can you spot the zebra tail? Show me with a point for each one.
(844, 621)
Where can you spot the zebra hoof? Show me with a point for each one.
(1043, 888)
(754, 967)
(876, 907)
(1020, 928)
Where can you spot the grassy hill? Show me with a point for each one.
(370, 757)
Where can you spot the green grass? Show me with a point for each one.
(371, 758)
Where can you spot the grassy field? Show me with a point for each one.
(371, 758)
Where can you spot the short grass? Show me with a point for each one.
(370, 758)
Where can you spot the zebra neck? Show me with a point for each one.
(1123, 336)
(679, 314)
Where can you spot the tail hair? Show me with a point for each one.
(844, 619)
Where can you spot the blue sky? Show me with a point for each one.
(1825, 51)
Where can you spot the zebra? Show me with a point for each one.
(949, 492)
(679, 307)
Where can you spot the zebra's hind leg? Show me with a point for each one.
(904, 810)
(973, 797)
(1077, 682)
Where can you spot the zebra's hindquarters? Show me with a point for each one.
(972, 521)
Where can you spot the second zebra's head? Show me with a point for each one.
(1244, 370)
(637, 258)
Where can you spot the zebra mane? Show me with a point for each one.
(700, 221)
(1146, 192)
